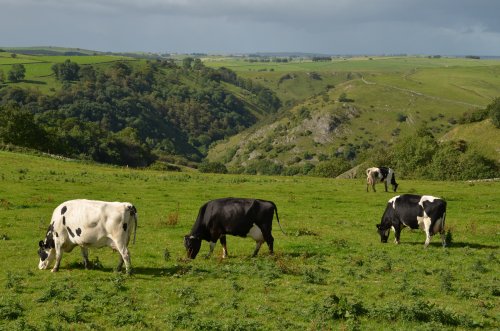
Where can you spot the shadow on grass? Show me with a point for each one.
(37, 82)
(161, 271)
(455, 244)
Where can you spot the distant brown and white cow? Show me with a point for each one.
(380, 174)
(88, 223)
(414, 211)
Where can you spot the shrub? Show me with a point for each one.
(494, 112)
(472, 116)
(212, 167)
(338, 308)
(10, 309)
(332, 168)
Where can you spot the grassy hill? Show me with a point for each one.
(329, 272)
(388, 97)
(482, 135)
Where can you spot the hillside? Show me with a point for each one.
(382, 99)
(123, 110)
(482, 135)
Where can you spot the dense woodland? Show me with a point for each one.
(132, 113)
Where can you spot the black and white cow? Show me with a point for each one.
(414, 211)
(88, 223)
(380, 174)
(234, 216)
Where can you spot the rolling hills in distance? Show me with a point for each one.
(345, 106)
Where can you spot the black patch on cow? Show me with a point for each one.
(78, 232)
(132, 210)
(57, 235)
(49, 241)
(64, 220)
(63, 210)
(124, 226)
(42, 253)
(70, 232)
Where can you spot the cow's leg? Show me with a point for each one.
(212, 246)
(443, 237)
(268, 237)
(257, 248)
(385, 185)
(58, 258)
(120, 263)
(224, 246)
(397, 233)
(427, 229)
(85, 255)
(125, 257)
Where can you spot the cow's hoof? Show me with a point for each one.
(54, 270)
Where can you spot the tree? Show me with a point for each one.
(18, 127)
(16, 72)
(87, 73)
(494, 112)
(414, 153)
(66, 71)
(186, 62)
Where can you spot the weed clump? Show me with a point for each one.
(420, 311)
(335, 308)
(10, 309)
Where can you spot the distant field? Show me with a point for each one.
(39, 74)
(330, 272)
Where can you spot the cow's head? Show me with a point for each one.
(46, 249)
(192, 245)
(384, 233)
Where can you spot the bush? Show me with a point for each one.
(472, 116)
(494, 112)
(332, 168)
(212, 167)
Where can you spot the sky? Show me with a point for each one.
(437, 27)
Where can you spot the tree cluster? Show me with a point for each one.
(129, 113)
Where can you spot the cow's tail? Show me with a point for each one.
(277, 218)
(133, 212)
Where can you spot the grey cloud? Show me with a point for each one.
(331, 26)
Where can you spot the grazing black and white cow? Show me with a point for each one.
(414, 211)
(88, 223)
(381, 174)
(234, 216)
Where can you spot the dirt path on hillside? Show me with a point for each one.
(420, 94)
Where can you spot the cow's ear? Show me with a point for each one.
(40, 244)
(378, 226)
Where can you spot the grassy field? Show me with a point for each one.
(329, 272)
(39, 74)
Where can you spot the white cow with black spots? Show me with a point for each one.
(88, 223)
(414, 211)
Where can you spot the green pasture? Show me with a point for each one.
(468, 81)
(39, 74)
(329, 272)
